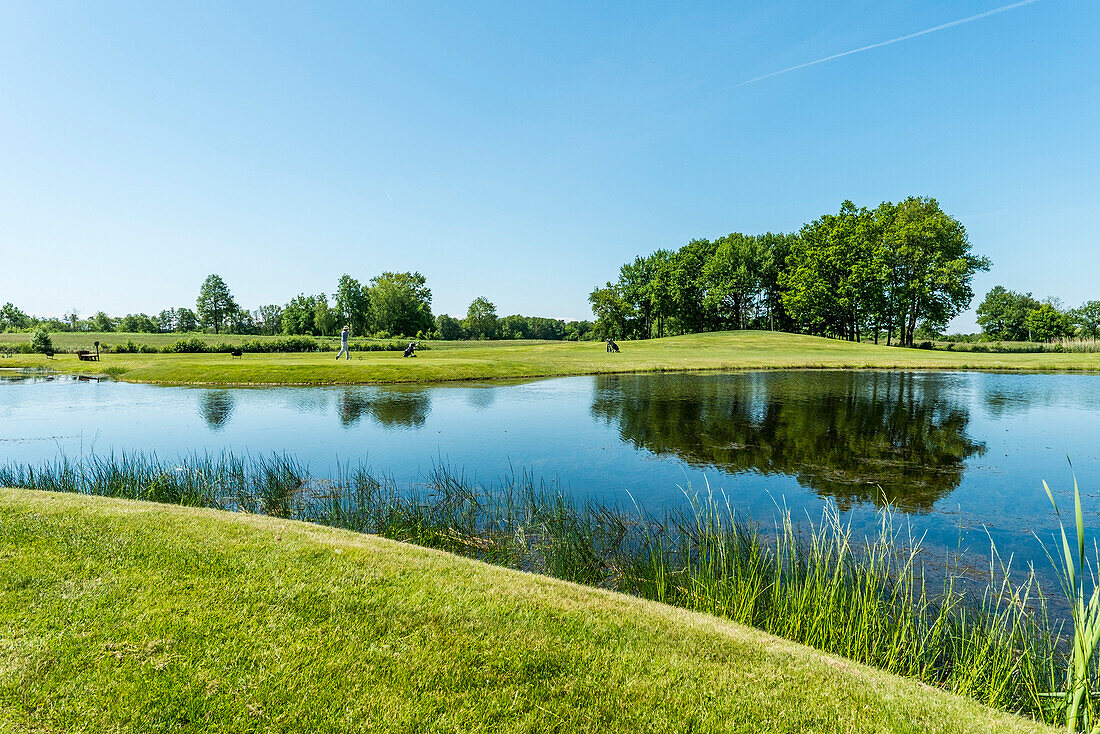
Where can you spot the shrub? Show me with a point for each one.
(41, 342)
(194, 345)
(128, 348)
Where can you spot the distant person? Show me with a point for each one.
(410, 349)
(344, 342)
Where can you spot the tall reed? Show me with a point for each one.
(1081, 669)
(870, 599)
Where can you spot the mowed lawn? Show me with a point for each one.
(504, 360)
(123, 616)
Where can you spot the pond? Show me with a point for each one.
(963, 454)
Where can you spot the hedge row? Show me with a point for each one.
(195, 345)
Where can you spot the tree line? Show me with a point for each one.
(888, 272)
(1005, 315)
(388, 305)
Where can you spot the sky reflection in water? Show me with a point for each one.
(965, 453)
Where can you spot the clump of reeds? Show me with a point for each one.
(1078, 705)
(870, 599)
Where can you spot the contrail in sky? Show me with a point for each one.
(925, 32)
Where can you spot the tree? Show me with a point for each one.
(481, 320)
(1046, 323)
(324, 318)
(776, 248)
(660, 291)
(352, 305)
(137, 323)
(268, 319)
(547, 329)
(693, 312)
(298, 315)
(733, 278)
(1087, 319)
(215, 303)
(1002, 314)
(41, 342)
(515, 327)
(241, 322)
(102, 322)
(400, 303)
(611, 311)
(166, 320)
(13, 318)
(575, 330)
(930, 265)
(449, 328)
(186, 320)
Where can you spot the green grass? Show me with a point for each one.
(510, 360)
(124, 616)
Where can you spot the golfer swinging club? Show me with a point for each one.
(344, 342)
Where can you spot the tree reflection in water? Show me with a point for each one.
(216, 407)
(393, 407)
(853, 436)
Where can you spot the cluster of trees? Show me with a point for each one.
(891, 272)
(482, 322)
(390, 304)
(1007, 315)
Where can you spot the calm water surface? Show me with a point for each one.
(963, 453)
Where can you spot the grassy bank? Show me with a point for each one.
(128, 616)
(866, 599)
(505, 360)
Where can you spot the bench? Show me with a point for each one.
(85, 356)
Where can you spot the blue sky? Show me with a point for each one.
(522, 151)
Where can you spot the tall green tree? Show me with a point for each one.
(299, 316)
(662, 302)
(834, 273)
(137, 323)
(268, 319)
(1046, 323)
(449, 328)
(1002, 314)
(324, 318)
(776, 248)
(515, 327)
(733, 278)
(1087, 319)
(481, 320)
(931, 265)
(166, 320)
(186, 320)
(13, 318)
(634, 289)
(692, 311)
(353, 305)
(400, 303)
(102, 322)
(215, 304)
(611, 311)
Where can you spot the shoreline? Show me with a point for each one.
(502, 361)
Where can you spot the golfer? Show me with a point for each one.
(344, 342)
